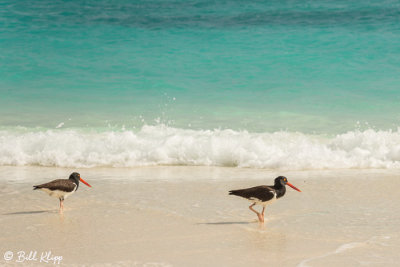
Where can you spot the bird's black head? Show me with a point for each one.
(75, 177)
(281, 180)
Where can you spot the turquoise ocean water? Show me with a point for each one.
(266, 84)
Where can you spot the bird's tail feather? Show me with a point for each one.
(233, 192)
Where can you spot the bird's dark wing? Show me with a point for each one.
(59, 184)
(262, 193)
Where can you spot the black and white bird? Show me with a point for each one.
(62, 188)
(264, 195)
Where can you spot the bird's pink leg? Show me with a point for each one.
(61, 206)
(260, 217)
(262, 213)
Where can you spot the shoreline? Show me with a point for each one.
(180, 216)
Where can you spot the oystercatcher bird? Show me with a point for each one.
(62, 188)
(263, 194)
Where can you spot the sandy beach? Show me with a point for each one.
(183, 216)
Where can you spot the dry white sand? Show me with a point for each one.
(183, 216)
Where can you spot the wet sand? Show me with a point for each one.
(183, 216)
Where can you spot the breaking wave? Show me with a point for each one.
(162, 145)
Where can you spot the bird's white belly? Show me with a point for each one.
(57, 193)
(263, 203)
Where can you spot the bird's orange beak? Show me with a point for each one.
(83, 181)
(292, 186)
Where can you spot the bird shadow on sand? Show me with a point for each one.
(29, 212)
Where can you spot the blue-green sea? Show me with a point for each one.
(310, 84)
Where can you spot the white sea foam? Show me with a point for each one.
(60, 125)
(340, 249)
(162, 145)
